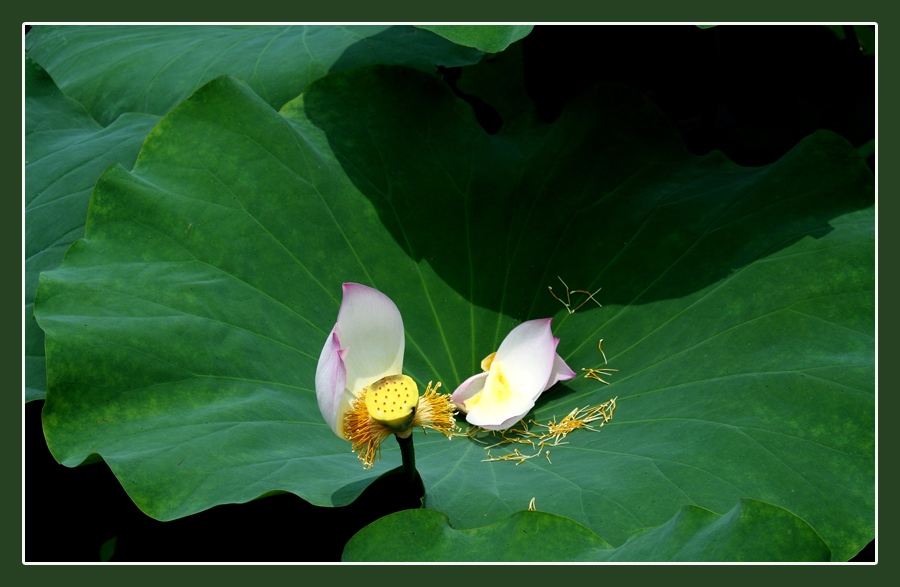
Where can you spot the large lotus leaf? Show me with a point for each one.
(65, 153)
(488, 38)
(751, 531)
(183, 331)
(118, 69)
(123, 70)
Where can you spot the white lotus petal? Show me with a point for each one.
(467, 389)
(526, 357)
(371, 333)
(331, 378)
(366, 344)
(559, 372)
(525, 365)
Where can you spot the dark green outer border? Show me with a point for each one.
(528, 11)
(519, 11)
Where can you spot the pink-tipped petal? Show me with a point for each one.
(366, 344)
(560, 372)
(371, 332)
(331, 379)
(517, 375)
(467, 389)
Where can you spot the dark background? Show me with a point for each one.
(752, 92)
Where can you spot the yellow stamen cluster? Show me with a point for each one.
(433, 411)
(553, 435)
(580, 418)
(365, 433)
(604, 371)
(596, 373)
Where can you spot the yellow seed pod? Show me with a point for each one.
(392, 401)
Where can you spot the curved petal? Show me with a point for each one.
(526, 357)
(331, 379)
(366, 344)
(522, 368)
(509, 421)
(468, 388)
(499, 415)
(559, 372)
(370, 329)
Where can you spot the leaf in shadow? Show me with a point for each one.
(751, 531)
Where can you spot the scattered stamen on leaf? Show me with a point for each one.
(531, 507)
(596, 373)
(553, 435)
(600, 372)
(516, 456)
(472, 433)
(569, 292)
(579, 418)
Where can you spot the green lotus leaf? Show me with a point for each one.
(737, 306)
(117, 69)
(120, 71)
(66, 151)
(751, 531)
(487, 38)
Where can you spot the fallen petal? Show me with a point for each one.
(527, 357)
(467, 389)
(560, 372)
(525, 365)
(499, 415)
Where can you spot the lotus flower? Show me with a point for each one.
(362, 392)
(525, 366)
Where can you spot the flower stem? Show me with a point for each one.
(408, 453)
(410, 475)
